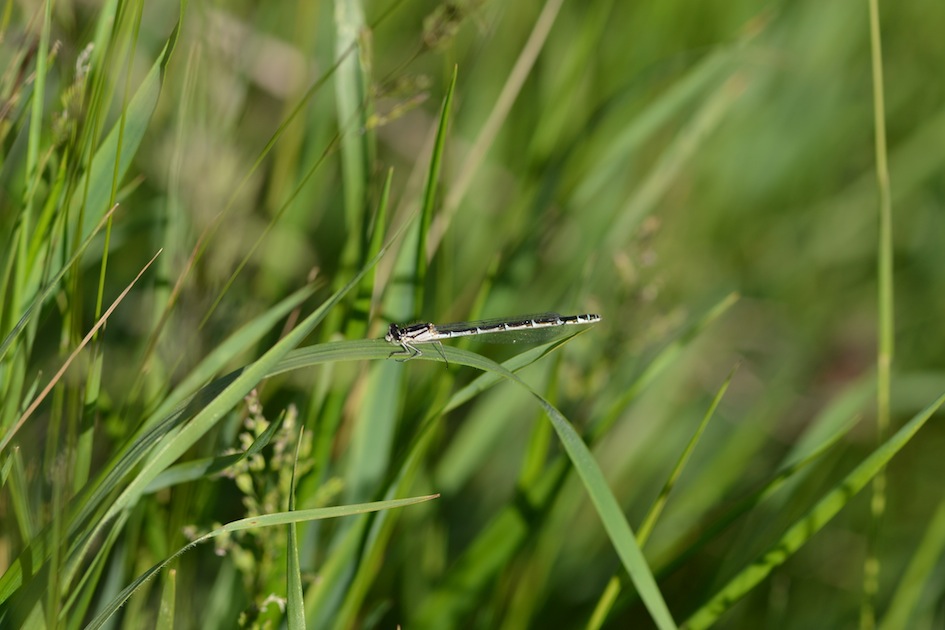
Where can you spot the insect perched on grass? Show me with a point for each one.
(522, 329)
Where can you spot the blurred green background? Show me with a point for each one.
(646, 162)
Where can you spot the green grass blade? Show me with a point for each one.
(174, 444)
(804, 529)
(108, 163)
(918, 576)
(886, 323)
(295, 602)
(613, 588)
(168, 600)
(429, 193)
(649, 522)
(667, 357)
(256, 522)
(191, 471)
(351, 93)
(612, 517)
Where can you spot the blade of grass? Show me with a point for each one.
(508, 531)
(267, 520)
(424, 249)
(114, 156)
(612, 517)
(351, 95)
(174, 444)
(486, 136)
(295, 602)
(810, 524)
(886, 332)
(165, 617)
(55, 379)
(649, 522)
(918, 576)
(613, 588)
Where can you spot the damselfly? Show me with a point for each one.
(526, 328)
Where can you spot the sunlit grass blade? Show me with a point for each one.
(351, 94)
(810, 524)
(267, 520)
(886, 325)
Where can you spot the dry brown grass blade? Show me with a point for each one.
(65, 366)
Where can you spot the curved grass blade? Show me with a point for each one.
(175, 443)
(267, 520)
(508, 531)
(612, 517)
(810, 524)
